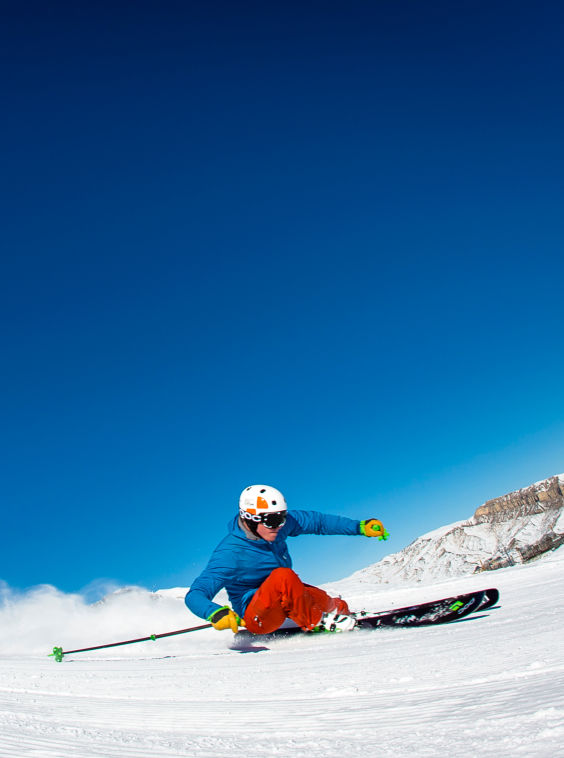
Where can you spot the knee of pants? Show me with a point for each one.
(283, 573)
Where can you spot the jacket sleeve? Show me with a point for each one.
(312, 522)
(199, 598)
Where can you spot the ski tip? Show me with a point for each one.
(491, 598)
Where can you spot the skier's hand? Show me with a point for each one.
(373, 527)
(225, 618)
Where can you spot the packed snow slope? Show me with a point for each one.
(489, 685)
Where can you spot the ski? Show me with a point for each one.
(423, 614)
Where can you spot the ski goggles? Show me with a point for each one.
(270, 520)
(273, 520)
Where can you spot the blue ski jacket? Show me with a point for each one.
(241, 564)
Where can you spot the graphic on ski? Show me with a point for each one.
(423, 614)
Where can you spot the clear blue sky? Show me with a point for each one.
(316, 245)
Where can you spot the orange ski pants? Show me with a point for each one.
(283, 595)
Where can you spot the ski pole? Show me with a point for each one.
(58, 652)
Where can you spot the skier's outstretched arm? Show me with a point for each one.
(313, 522)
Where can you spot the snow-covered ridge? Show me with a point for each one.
(507, 530)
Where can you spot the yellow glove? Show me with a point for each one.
(373, 527)
(225, 618)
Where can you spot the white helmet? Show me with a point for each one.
(258, 501)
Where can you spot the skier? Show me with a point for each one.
(253, 564)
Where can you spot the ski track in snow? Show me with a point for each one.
(489, 685)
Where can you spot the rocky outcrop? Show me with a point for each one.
(550, 541)
(525, 553)
(546, 498)
(538, 498)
